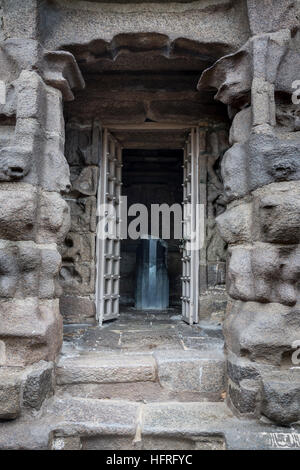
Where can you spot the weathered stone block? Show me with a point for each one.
(277, 211)
(66, 443)
(26, 270)
(239, 368)
(281, 397)
(241, 127)
(38, 384)
(108, 369)
(184, 418)
(2, 353)
(86, 416)
(7, 132)
(50, 266)
(287, 117)
(79, 247)
(18, 207)
(77, 309)
(273, 216)
(21, 19)
(54, 218)
(18, 55)
(15, 163)
(39, 131)
(245, 396)
(31, 330)
(264, 273)
(191, 371)
(10, 393)
(235, 224)
(54, 118)
(79, 146)
(213, 300)
(32, 99)
(22, 160)
(21, 220)
(215, 245)
(271, 57)
(245, 329)
(263, 102)
(264, 159)
(78, 278)
(83, 214)
(55, 164)
(87, 181)
(19, 264)
(267, 16)
(216, 273)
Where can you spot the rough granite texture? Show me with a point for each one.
(91, 62)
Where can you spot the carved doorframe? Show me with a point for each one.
(108, 130)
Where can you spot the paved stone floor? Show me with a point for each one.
(144, 381)
(145, 357)
(136, 331)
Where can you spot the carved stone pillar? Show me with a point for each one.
(261, 174)
(34, 217)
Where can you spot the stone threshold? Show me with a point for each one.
(84, 423)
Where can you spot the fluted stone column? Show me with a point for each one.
(261, 173)
(34, 217)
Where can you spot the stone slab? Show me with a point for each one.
(93, 417)
(192, 371)
(93, 368)
(10, 393)
(183, 419)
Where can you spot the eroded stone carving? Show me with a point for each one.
(37, 132)
(263, 18)
(87, 181)
(83, 214)
(272, 214)
(77, 278)
(261, 224)
(269, 58)
(280, 393)
(26, 270)
(31, 330)
(77, 275)
(33, 215)
(245, 328)
(78, 247)
(217, 143)
(54, 218)
(58, 68)
(264, 273)
(262, 160)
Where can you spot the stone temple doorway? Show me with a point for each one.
(143, 99)
(148, 210)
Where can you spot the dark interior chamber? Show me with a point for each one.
(151, 177)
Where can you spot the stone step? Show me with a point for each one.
(85, 423)
(192, 371)
(182, 375)
(211, 329)
(90, 424)
(93, 368)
